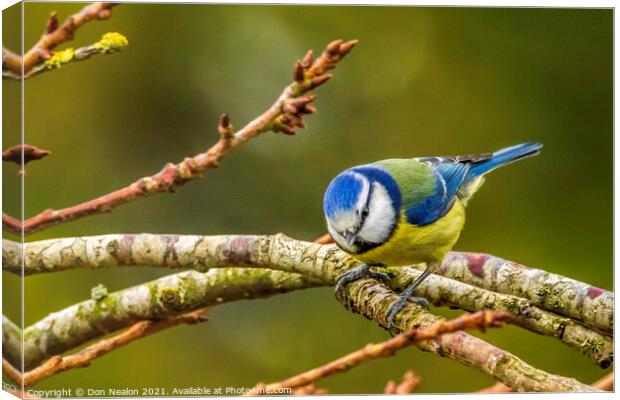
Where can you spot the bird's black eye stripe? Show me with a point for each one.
(365, 212)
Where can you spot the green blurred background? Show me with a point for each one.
(422, 81)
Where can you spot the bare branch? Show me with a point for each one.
(309, 390)
(480, 320)
(285, 115)
(11, 372)
(409, 383)
(606, 383)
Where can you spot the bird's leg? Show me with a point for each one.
(362, 271)
(406, 295)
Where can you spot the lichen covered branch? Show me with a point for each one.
(586, 303)
(302, 265)
(282, 116)
(321, 263)
(373, 300)
(480, 320)
(159, 299)
(447, 292)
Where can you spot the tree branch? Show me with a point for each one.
(586, 303)
(283, 116)
(589, 304)
(159, 299)
(440, 291)
(54, 36)
(183, 292)
(84, 357)
(202, 253)
(373, 300)
(109, 43)
(606, 383)
(479, 320)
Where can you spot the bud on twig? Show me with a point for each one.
(52, 22)
(225, 127)
(298, 72)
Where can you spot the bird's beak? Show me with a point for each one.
(350, 238)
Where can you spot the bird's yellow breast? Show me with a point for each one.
(412, 244)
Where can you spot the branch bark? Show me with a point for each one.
(591, 305)
(283, 116)
(373, 300)
(159, 299)
(202, 253)
(319, 265)
(440, 291)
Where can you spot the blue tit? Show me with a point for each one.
(400, 212)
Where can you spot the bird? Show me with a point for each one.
(399, 212)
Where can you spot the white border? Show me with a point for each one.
(480, 3)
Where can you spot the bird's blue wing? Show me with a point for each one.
(449, 174)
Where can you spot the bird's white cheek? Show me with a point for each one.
(381, 216)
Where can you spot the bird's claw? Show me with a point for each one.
(363, 271)
(421, 301)
(400, 304)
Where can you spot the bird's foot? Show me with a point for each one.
(421, 301)
(363, 271)
(400, 304)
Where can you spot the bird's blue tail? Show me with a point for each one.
(503, 157)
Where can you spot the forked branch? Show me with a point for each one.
(285, 115)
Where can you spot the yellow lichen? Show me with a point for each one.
(59, 58)
(111, 42)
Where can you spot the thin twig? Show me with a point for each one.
(283, 116)
(11, 371)
(84, 357)
(54, 36)
(605, 383)
(310, 389)
(409, 383)
(480, 320)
